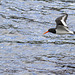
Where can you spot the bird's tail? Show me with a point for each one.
(74, 32)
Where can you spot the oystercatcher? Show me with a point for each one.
(61, 26)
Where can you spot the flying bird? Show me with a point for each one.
(61, 26)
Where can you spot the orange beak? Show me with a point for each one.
(46, 32)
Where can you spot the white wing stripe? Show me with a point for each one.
(62, 20)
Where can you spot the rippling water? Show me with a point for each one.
(24, 50)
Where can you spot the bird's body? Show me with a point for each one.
(63, 30)
(61, 26)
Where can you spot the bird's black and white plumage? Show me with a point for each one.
(62, 20)
(61, 26)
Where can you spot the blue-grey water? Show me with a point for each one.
(24, 50)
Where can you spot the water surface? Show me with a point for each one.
(24, 50)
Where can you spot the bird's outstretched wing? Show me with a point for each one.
(61, 20)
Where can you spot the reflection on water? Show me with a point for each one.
(23, 47)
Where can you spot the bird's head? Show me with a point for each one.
(52, 30)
